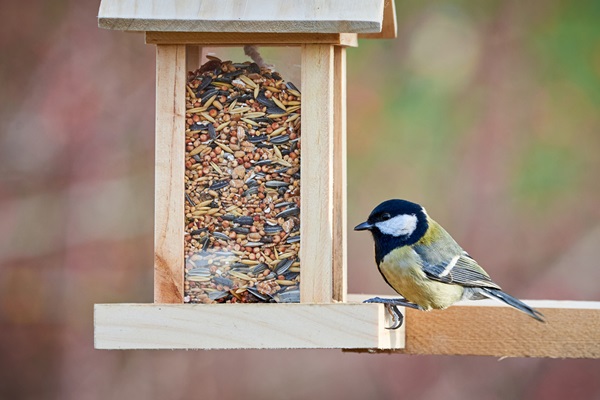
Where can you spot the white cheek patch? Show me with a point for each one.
(400, 225)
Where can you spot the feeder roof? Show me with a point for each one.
(272, 16)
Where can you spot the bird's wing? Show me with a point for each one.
(461, 269)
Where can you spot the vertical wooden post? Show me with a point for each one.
(340, 259)
(316, 196)
(169, 169)
(193, 57)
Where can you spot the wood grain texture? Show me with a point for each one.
(488, 328)
(324, 16)
(237, 38)
(242, 326)
(193, 55)
(340, 225)
(389, 28)
(169, 172)
(316, 191)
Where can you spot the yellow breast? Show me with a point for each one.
(402, 271)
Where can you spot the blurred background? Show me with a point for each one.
(487, 113)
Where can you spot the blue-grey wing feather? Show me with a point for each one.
(466, 271)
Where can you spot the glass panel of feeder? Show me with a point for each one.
(242, 180)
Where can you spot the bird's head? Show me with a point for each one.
(396, 220)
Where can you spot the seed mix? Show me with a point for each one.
(242, 185)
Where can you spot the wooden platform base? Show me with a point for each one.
(243, 326)
(484, 327)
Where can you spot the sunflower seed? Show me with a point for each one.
(206, 80)
(257, 269)
(201, 271)
(244, 220)
(257, 138)
(271, 230)
(262, 99)
(280, 139)
(283, 266)
(290, 276)
(228, 217)
(212, 132)
(256, 293)
(250, 191)
(219, 294)
(290, 85)
(275, 112)
(208, 97)
(281, 170)
(276, 184)
(189, 199)
(205, 243)
(288, 213)
(233, 74)
(219, 280)
(197, 263)
(220, 235)
(219, 185)
(293, 239)
(292, 296)
(263, 162)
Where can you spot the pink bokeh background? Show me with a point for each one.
(487, 114)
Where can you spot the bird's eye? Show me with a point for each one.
(385, 216)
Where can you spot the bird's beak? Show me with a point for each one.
(364, 226)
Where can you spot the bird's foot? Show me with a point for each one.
(397, 317)
(395, 302)
(391, 305)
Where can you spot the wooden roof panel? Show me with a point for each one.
(274, 16)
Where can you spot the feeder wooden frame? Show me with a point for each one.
(326, 317)
(322, 252)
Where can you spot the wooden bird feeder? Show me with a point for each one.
(325, 316)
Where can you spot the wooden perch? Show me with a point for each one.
(488, 328)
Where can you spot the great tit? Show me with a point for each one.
(424, 264)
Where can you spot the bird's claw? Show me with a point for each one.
(391, 305)
(397, 317)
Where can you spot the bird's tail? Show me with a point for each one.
(513, 302)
